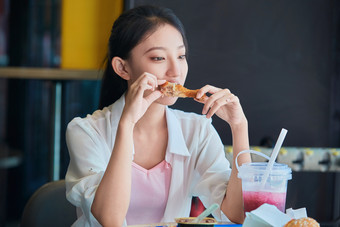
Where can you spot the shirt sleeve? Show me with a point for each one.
(89, 155)
(213, 170)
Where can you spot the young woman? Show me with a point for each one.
(136, 160)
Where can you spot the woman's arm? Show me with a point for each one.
(232, 204)
(112, 197)
(227, 106)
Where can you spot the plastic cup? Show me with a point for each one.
(273, 191)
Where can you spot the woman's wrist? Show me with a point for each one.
(240, 140)
(241, 125)
(126, 124)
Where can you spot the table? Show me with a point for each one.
(57, 76)
(174, 224)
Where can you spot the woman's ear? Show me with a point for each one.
(120, 67)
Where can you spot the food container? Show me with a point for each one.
(187, 222)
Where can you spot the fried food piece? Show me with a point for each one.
(301, 222)
(177, 90)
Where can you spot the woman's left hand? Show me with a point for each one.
(223, 103)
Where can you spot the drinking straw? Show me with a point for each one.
(273, 157)
(205, 213)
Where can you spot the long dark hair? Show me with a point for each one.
(127, 31)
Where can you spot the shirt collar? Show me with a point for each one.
(116, 111)
(176, 142)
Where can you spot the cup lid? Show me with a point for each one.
(259, 168)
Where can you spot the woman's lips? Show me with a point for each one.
(173, 81)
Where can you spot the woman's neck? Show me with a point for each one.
(150, 137)
(153, 119)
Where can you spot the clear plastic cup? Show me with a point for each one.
(273, 192)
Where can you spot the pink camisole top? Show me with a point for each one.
(149, 193)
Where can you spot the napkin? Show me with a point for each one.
(269, 216)
(296, 214)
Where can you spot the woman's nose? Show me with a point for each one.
(174, 68)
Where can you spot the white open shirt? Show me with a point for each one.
(195, 152)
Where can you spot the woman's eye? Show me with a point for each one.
(182, 57)
(157, 58)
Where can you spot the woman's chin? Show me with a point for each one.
(168, 101)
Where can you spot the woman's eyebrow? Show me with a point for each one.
(181, 46)
(161, 48)
(154, 48)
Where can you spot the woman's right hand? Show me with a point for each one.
(140, 95)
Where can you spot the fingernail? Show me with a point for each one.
(198, 95)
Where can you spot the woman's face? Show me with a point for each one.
(162, 54)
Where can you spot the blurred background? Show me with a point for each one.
(281, 58)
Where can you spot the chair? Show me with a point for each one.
(48, 207)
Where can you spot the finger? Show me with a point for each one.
(202, 99)
(217, 105)
(153, 96)
(207, 89)
(222, 94)
(142, 88)
(232, 99)
(160, 82)
(149, 79)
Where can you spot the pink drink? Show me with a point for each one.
(252, 200)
